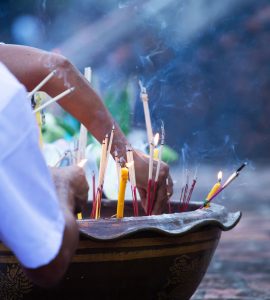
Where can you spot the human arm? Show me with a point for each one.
(36, 218)
(31, 65)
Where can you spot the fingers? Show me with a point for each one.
(164, 191)
(80, 187)
(161, 200)
(169, 186)
(142, 193)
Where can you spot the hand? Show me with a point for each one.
(164, 191)
(71, 187)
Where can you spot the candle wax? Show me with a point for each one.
(121, 193)
(214, 189)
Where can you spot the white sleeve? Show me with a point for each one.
(31, 222)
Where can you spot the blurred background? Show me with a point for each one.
(206, 67)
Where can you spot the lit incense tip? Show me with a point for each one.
(241, 167)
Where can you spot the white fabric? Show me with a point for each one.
(31, 222)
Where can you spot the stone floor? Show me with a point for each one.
(240, 268)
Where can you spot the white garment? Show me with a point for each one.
(31, 222)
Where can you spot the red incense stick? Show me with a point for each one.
(190, 194)
(134, 201)
(184, 198)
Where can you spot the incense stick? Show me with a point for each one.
(190, 193)
(144, 98)
(228, 181)
(185, 189)
(60, 96)
(42, 83)
(117, 163)
(132, 177)
(134, 183)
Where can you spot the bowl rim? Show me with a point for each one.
(174, 224)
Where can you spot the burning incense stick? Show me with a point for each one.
(160, 153)
(110, 145)
(192, 186)
(134, 185)
(233, 176)
(158, 167)
(60, 96)
(190, 191)
(132, 177)
(96, 205)
(42, 83)
(105, 152)
(184, 193)
(144, 98)
(150, 173)
(118, 167)
(228, 181)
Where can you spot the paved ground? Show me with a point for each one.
(240, 268)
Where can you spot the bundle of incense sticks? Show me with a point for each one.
(186, 192)
(227, 182)
(132, 178)
(105, 152)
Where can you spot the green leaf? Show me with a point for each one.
(169, 155)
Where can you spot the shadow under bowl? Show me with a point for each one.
(147, 257)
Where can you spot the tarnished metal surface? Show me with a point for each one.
(168, 224)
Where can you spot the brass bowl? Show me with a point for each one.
(147, 257)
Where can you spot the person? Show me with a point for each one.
(37, 205)
(31, 66)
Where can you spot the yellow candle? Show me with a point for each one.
(214, 189)
(121, 193)
(156, 153)
(79, 216)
